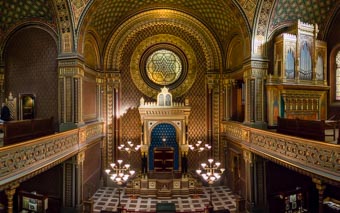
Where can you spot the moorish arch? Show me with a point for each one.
(164, 125)
(169, 21)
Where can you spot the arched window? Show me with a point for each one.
(337, 77)
(305, 63)
(290, 74)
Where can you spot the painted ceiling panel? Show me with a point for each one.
(308, 11)
(215, 13)
(15, 11)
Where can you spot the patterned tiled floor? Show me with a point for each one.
(106, 198)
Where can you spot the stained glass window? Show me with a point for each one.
(163, 67)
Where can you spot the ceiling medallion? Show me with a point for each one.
(163, 60)
(163, 67)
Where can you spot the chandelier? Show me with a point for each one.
(119, 174)
(130, 147)
(198, 147)
(210, 172)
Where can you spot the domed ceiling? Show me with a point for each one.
(222, 17)
(312, 11)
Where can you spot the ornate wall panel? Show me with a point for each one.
(144, 24)
(31, 57)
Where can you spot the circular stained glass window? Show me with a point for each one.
(163, 67)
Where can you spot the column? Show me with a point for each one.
(71, 73)
(320, 186)
(213, 106)
(79, 179)
(10, 194)
(2, 83)
(227, 96)
(112, 103)
(249, 171)
(69, 182)
(100, 93)
(254, 77)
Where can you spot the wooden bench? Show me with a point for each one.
(309, 129)
(22, 130)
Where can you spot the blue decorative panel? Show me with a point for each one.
(160, 132)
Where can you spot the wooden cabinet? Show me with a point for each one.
(163, 159)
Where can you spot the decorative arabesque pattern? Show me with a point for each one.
(248, 7)
(14, 11)
(130, 118)
(312, 11)
(110, 12)
(306, 155)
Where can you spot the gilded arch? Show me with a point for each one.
(123, 36)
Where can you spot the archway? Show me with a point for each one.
(164, 140)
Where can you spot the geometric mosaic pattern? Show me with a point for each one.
(13, 11)
(311, 11)
(216, 12)
(106, 198)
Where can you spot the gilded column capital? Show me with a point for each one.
(71, 68)
(212, 79)
(112, 77)
(100, 78)
(81, 157)
(248, 156)
(320, 186)
(255, 69)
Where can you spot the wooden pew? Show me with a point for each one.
(22, 130)
(309, 129)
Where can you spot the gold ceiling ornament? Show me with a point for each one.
(129, 33)
(159, 42)
(163, 67)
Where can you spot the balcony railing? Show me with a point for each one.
(21, 161)
(316, 157)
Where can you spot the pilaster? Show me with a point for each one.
(213, 119)
(2, 83)
(112, 99)
(249, 170)
(228, 85)
(100, 92)
(71, 74)
(254, 76)
(79, 179)
(320, 186)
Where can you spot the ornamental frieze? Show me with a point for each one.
(17, 163)
(314, 158)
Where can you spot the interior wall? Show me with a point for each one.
(282, 181)
(92, 170)
(31, 67)
(48, 183)
(89, 98)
